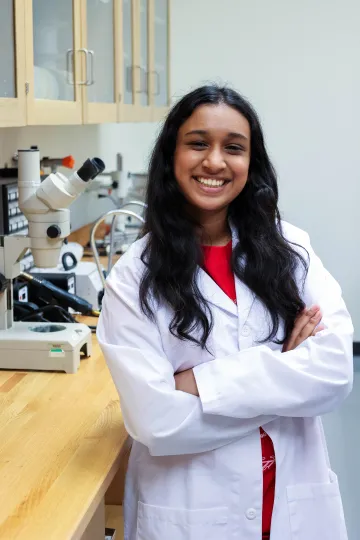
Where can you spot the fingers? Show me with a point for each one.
(301, 320)
(310, 322)
(308, 328)
(304, 326)
(319, 328)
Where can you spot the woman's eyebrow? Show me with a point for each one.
(196, 132)
(232, 134)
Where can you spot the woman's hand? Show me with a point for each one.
(306, 325)
(186, 382)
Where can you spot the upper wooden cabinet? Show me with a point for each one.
(12, 63)
(86, 61)
(145, 60)
(53, 61)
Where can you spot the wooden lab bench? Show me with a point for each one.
(63, 452)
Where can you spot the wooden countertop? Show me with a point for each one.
(62, 439)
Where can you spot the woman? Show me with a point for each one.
(211, 330)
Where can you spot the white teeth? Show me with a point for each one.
(211, 182)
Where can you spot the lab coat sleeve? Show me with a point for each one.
(166, 420)
(310, 380)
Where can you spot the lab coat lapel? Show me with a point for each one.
(245, 302)
(214, 294)
(245, 297)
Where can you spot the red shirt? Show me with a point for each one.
(217, 263)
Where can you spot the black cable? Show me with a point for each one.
(69, 318)
(25, 306)
(23, 309)
(39, 316)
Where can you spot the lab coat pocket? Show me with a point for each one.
(162, 523)
(316, 511)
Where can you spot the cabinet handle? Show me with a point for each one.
(158, 82)
(143, 77)
(91, 55)
(129, 82)
(141, 91)
(70, 66)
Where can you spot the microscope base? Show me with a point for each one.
(36, 346)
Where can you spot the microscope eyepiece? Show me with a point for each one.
(90, 169)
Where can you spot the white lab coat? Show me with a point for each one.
(195, 471)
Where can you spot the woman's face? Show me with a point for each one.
(212, 157)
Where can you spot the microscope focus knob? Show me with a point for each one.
(53, 231)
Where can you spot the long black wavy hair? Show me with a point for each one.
(262, 259)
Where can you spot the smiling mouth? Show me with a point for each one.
(210, 182)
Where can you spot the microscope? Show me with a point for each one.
(40, 345)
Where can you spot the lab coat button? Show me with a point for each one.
(246, 331)
(251, 513)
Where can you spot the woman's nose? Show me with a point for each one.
(214, 161)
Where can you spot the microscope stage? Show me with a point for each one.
(44, 346)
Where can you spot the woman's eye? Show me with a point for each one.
(197, 144)
(234, 148)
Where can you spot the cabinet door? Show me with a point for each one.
(159, 76)
(100, 59)
(53, 61)
(135, 60)
(12, 64)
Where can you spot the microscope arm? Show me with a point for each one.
(12, 249)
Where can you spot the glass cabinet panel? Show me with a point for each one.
(161, 53)
(144, 51)
(53, 49)
(100, 51)
(128, 52)
(7, 50)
